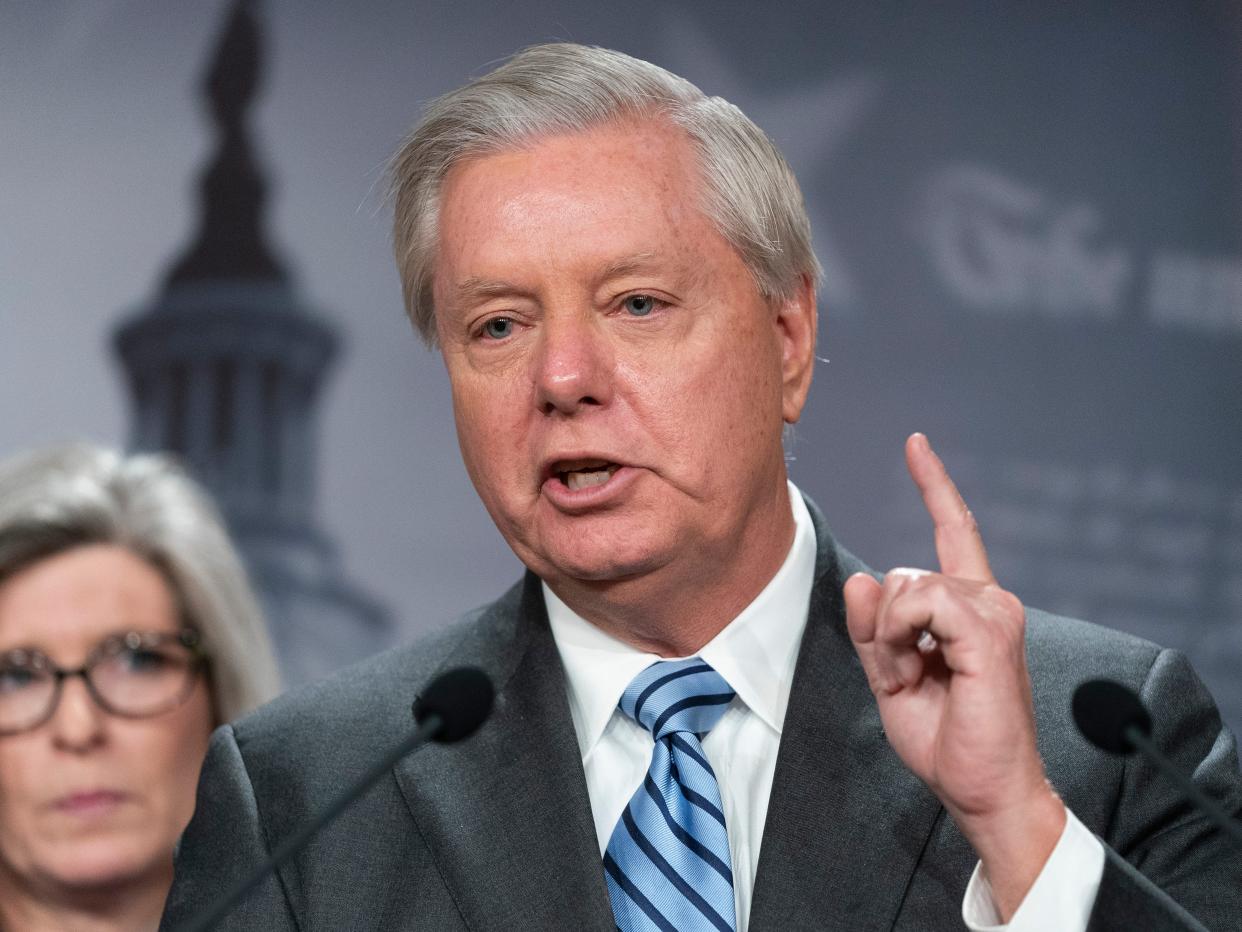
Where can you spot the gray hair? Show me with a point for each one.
(54, 500)
(750, 193)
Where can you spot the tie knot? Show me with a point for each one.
(677, 695)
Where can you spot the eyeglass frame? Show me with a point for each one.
(187, 637)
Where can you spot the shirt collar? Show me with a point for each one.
(756, 652)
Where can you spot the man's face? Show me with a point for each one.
(619, 383)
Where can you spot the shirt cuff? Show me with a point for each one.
(1061, 897)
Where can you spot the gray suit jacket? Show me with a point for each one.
(495, 833)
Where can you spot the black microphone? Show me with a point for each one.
(1112, 717)
(454, 704)
(452, 707)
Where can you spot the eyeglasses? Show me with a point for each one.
(133, 675)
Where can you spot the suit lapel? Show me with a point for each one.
(505, 814)
(847, 822)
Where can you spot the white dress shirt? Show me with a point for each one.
(756, 653)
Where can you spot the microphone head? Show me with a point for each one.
(461, 698)
(1104, 712)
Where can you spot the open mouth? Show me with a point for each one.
(583, 474)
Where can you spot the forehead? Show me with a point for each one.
(74, 598)
(624, 188)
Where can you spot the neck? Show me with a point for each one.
(35, 905)
(677, 609)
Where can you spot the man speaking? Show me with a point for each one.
(708, 715)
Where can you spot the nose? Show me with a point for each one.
(77, 724)
(573, 367)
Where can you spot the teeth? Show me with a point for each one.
(585, 478)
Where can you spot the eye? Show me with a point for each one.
(16, 679)
(639, 305)
(141, 660)
(498, 328)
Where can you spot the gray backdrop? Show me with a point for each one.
(1029, 218)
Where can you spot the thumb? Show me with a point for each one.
(862, 603)
(862, 599)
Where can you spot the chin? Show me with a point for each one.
(605, 562)
(104, 863)
(598, 572)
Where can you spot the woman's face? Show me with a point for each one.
(89, 799)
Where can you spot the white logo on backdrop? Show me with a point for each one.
(1005, 248)
(1000, 246)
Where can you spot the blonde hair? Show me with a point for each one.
(57, 499)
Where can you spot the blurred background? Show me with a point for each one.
(1029, 218)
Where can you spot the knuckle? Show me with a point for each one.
(1012, 606)
(969, 521)
(902, 576)
(892, 583)
(876, 682)
(964, 520)
(886, 632)
(946, 597)
(950, 603)
(1009, 609)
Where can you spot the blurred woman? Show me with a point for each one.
(127, 633)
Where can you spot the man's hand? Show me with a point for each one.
(945, 657)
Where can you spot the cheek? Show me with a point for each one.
(470, 416)
(706, 402)
(486, 450)
(493, 433)
(168, 754)
(187, 741)
(749, 384)
(23, 836)
(24, 765)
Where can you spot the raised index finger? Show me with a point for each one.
(958, 544)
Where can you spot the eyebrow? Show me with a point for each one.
(474, 289)
(627, 265)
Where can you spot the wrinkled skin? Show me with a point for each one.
(587, 309)
(945, 656)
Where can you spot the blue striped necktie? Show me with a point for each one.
(667, 863)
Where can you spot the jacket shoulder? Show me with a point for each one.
(365, 707)
(1062, 652)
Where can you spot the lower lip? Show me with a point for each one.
(594, 496)
(89, 804)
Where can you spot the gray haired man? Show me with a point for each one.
(709, 714)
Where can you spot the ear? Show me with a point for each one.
(797, 321)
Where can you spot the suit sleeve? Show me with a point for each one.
(224, 843)
(1166, 866)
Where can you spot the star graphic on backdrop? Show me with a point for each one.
(810, 123)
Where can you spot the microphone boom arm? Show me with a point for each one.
(1206, 804)
(426, 730)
